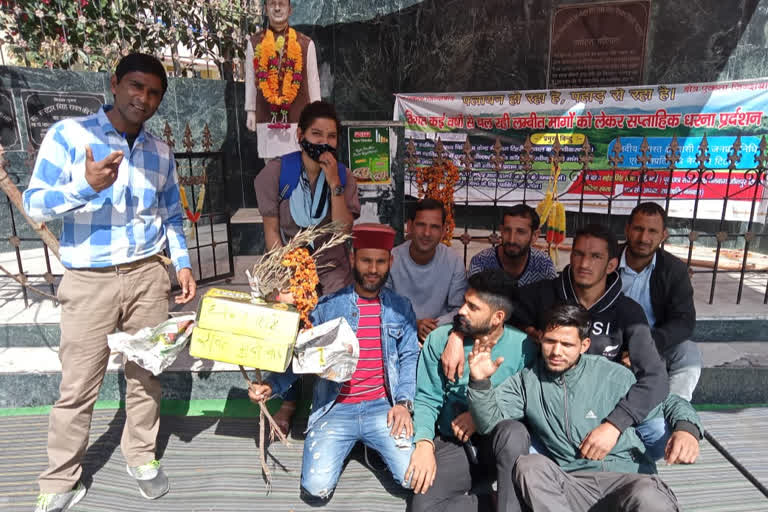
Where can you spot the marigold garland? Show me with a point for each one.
(303, 283)
(271, 72)
(437, 182)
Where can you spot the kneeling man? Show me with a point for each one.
(375, 405)
(563, 396)
(446, 465)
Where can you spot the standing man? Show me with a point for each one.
(519, 230)
(428, 273)
(270, 111)
(563, 397)
(114, 186)
(659, 282)
(451, 458)
(376, 404)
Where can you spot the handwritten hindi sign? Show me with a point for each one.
(43, 109)
(601, 118)
(599, 44)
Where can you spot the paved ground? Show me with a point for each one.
(213, 466)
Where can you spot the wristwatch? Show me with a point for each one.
(407, 404)
(338, 190)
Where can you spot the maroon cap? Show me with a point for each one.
(373, 236)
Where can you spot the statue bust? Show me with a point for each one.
(281, 78)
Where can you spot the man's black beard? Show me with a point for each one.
(462, 325)
(523, 252)
(370, 288)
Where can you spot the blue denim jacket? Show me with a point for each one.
(399, 343)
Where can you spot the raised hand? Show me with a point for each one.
(481, 365)
(331, 169)
(101, 174)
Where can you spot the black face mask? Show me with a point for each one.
(314, 151)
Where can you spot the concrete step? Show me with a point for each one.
(708, 330)
(733, 373)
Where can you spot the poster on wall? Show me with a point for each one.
(369, 154)
(9, 128)
(44, 108)
(598, 44)
(602, 118)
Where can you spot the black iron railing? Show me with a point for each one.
(626, 187)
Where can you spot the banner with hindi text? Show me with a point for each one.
(609, 119)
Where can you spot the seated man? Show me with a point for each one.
(375, 405)
(618, 326)
(429, 274)
(447, 464)
(519, 230)
(659, 282)
(563, 396)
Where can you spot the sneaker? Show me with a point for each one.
(62, 501)
(151, 479)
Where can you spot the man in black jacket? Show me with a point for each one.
(659, 282)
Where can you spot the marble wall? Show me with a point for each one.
(369, 50)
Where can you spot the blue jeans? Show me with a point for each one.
(654, 434)
(684, 368)
(333, 436)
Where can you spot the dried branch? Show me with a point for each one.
(269, 274)
(23, 283)
(7, 186)
(274, 430)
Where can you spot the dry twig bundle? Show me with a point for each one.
(275, 271)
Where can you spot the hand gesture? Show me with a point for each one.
(258, 393)
(682, 448)
(331, 169)
(399, 419)
(463, 426)
(101, 174)
(481, 366)
(422, 469)
(188, 286)
(600, 441)
(453, 357)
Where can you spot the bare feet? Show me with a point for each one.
(284, 415)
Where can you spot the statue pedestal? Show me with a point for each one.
(247, 232)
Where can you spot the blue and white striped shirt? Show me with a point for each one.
(133, 219)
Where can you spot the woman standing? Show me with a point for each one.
(307, 188)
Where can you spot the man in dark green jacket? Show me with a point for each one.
(450, 459)
(563, 396)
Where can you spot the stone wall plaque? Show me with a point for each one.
(9, 127)
(43, 108)
(598, 45)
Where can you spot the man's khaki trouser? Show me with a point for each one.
(93, 304)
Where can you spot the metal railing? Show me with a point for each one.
(639, 184)
(209, 239)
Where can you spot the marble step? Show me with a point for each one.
(733, 373)
(707, 330)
